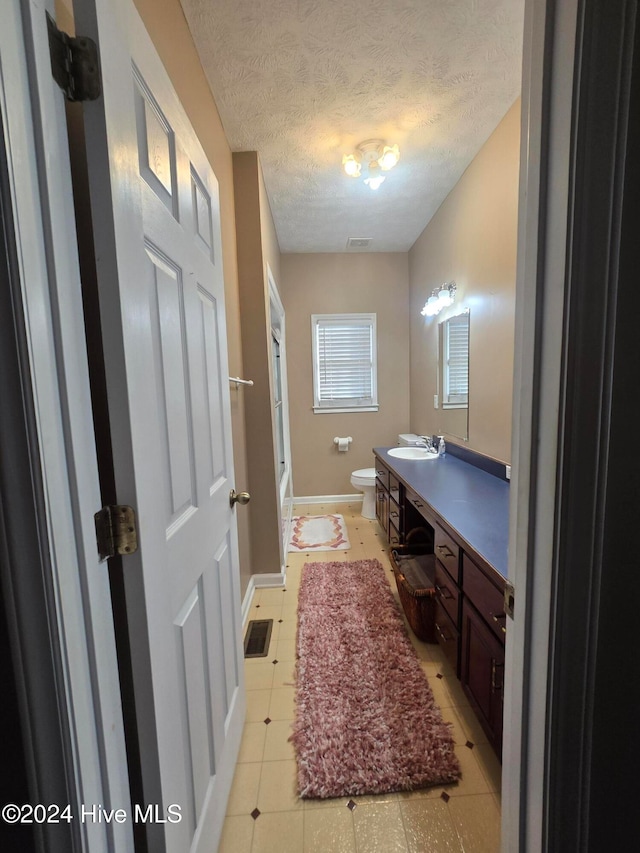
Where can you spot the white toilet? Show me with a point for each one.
(365, 480)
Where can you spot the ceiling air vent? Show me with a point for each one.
(357, 244)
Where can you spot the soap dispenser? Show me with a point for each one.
(441, 446)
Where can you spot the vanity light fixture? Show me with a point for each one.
(440, 298)
(373, 156)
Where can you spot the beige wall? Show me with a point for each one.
(472, 241)
(257, 247)
(270, 245)
(332, 284)
(168, 29)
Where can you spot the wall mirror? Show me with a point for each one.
(453, 376)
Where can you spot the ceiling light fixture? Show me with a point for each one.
(375, 157)
(440, 298)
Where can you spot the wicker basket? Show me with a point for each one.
(414, 574)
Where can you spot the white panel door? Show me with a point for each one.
(156, 217)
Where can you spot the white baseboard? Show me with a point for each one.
(329, 499)
(246, 601)
(269, 580)
(264, 581)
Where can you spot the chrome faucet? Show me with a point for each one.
(427, 442)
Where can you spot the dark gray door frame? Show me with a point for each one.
(592, 702)
(37, 694)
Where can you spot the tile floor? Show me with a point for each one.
(264, 814)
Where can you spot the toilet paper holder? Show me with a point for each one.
(343, 443)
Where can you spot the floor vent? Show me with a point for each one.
(256, 640)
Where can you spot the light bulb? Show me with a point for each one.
(431, 306)
(374, 183)
(444, 297)
(351, 165)
(390, 156)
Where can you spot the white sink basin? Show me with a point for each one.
(411, 453)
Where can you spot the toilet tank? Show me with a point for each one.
(407, 439)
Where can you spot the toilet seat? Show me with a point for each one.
(364, 477)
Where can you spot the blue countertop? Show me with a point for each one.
(473, 503)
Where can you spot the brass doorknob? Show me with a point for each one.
(239, 497)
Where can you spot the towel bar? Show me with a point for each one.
(239, 381)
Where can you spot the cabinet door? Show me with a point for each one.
(482, 673)
(382, 507)
(447, 635)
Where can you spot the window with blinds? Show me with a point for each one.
(456, 362)
(344, 363)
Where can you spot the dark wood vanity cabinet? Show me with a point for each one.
(448, 593)
(389, 508)
(382, 506)
(470, 623)
(447, 584)
(447, 635)
(448, 553)
(482, 647)
(485, 589)
(382, 475)
(482, 673)
(396, 512)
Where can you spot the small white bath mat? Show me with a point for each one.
(319, 533)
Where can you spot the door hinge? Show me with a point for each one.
(116, 531)
(509, 599)
(74, 64)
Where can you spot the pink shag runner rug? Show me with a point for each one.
(366, 720)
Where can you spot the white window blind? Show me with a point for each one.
(344, 362)
(456, 361)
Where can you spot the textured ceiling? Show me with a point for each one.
(303, 81)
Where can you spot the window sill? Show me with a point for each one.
(324, 410)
